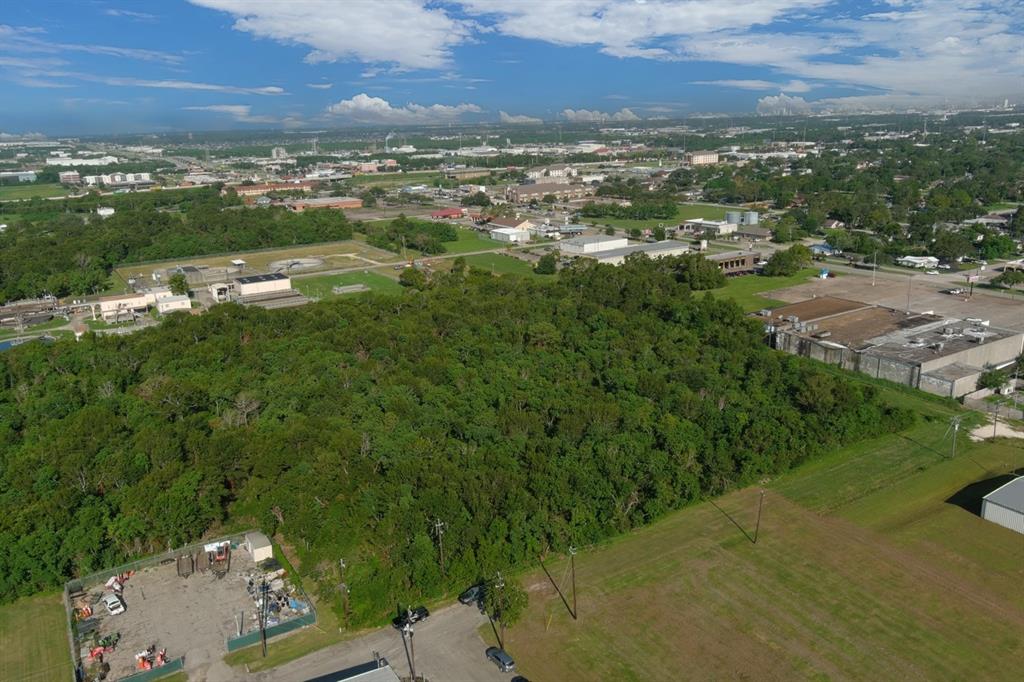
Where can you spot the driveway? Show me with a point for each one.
(447, 646)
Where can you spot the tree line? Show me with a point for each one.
(525, 415)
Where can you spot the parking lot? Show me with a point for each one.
(448, 648)
(925, 294)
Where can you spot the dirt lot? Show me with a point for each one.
(191, 616)
(925, 294)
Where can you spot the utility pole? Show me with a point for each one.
(263, 613)
(343, 588)
(910, 281)
(572, 564)
(439, 527)
(407, 631)
(954, 425)
(874, 268)
(760, 505)
(499, 584)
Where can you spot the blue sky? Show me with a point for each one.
(93, 66)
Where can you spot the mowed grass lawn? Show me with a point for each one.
(320, 286)
(500, 264)
(470, 241)
(33, 640)
(862, 570)
(395, 179)
(8, 192)
(748, 290)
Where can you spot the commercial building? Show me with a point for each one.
(715, 228)
(448, 213)
(20, 176)
(930, 352)
(510, 234)
(172, 303)
(254, 285)
(1005, 505)
(466, 173)
(918, 261)
(69, 177)
(114, 308)
(668, 247)
(300, 205)
(65, 160)
(734, 262)
(700, 158)
(563, 192)
(563, 172)
(579, 246)
(260, 190)
(752, 232)
(279, 153)
(118, 179)
(514, 223)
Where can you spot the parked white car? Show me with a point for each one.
(114, 604)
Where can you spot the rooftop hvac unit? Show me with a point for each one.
(938, 346)
(949, 331)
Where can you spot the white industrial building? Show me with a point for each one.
(256, 285)
(510, 234)
(63, 160)
(1005, 505)
(172, 303)
(717, 228)
(918, 261)
(700, 158)
(126, 306)
(669, 247)
(118, 179)
(579, 246)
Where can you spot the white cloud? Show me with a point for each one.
(128, 14)
(791, 86)
(624, 28)
(516, 119)
(24, 39)
(241, 113)
(589, 116)
(118, 81)
(404, 32)
(782, 105)
(365, 109)
(320, 86)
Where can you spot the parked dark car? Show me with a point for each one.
(472, 595)
(501, 659)
(410, 617)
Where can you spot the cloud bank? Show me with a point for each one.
(366, 109)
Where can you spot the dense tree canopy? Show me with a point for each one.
(523, 414)
(70, 254)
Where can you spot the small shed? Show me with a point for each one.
(1005, 505)
(259, 546)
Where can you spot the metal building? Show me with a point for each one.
(1005, 505)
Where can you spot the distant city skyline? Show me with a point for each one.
(108, 67)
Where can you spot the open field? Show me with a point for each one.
(345, 254)
(33, 640)
(747, 290)
(470, 241)
(12, 192)
(862, 570)
(320, 286)
(500, 264)
(396, 179)
(686, 212)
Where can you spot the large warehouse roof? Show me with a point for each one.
(1010, 495)
(252, 279)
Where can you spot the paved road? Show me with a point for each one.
(448, 649)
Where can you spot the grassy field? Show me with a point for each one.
(500, 264)
(396, 179)
(33, 643)
(45, 326)
(319, 286)
(10, 192)
(686, 212)
(863, 569)
(470, 241)
(345, 254)
(748, 289)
